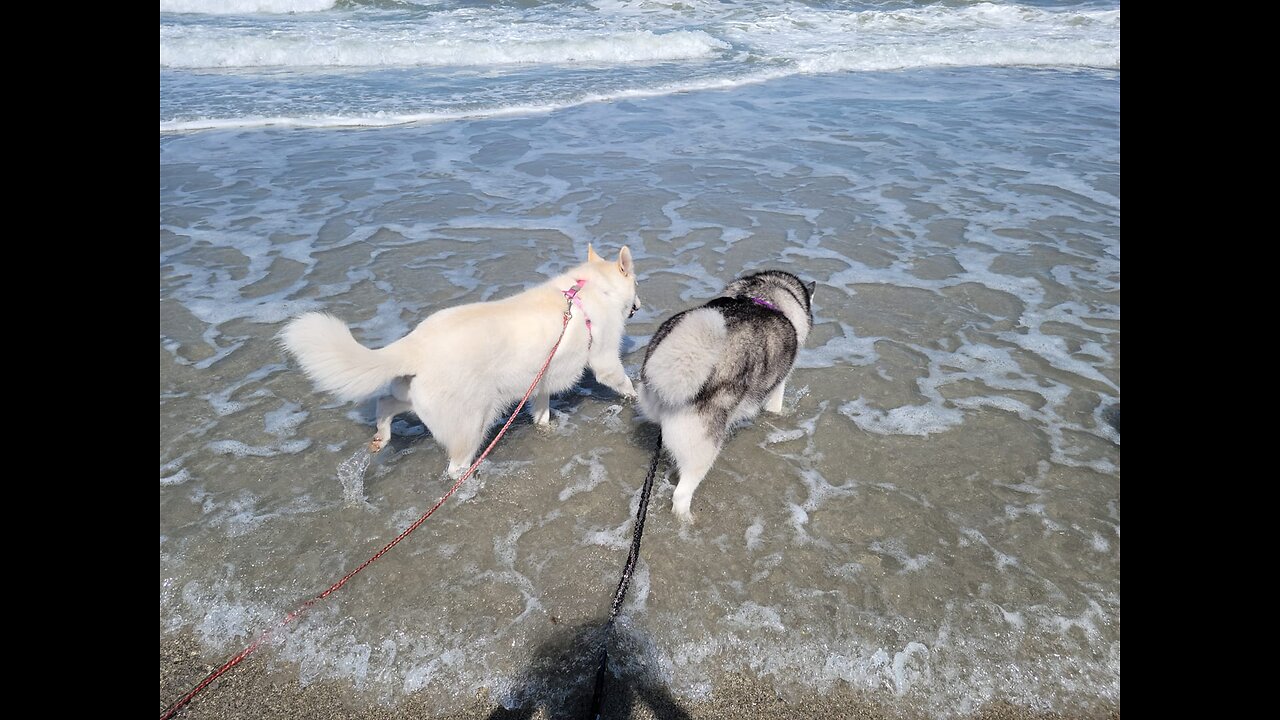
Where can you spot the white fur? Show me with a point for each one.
(773, 403)
(796, 314)
(685, 437)
(462, 367)
(336, 363)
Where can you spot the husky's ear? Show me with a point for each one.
(625, 266)
(591, 254)
(811, 288)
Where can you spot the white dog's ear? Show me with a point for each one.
(625, 266)
(591, 254)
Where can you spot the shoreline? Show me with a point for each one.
(255, 690)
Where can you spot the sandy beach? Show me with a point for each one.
(252, 691)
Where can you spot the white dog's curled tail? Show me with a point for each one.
(335, 362)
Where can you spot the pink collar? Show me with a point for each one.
(572, 294)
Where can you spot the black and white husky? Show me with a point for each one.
(711, 367)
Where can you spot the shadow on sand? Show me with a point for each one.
(561, 677)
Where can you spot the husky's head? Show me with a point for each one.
(619, 278)
(787, 292)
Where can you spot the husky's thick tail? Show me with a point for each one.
(677, 368)
(335, 362)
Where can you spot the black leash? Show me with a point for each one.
(597, 697)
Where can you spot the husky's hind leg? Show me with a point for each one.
(773, 402)
(694, 450)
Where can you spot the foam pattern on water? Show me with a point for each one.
(934, 518)
(308, 63)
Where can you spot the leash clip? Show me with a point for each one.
(568, 302)
(572, 295)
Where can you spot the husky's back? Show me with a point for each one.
(709, 368)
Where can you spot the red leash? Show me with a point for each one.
(174, 708)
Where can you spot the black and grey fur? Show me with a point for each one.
(713, 366)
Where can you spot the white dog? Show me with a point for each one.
(463, 366)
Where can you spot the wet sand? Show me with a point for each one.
(253, 690)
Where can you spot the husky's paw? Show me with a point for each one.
(773, 403)
(543, 420)
(682, 512)
(376, 444)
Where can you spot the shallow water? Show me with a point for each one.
(935, 516)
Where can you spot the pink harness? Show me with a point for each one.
(572, 294)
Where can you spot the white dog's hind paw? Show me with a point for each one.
(682, 512)
(456, 471)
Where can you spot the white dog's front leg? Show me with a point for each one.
(541, 407)
(609, 371)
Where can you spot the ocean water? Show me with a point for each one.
(934, 518)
